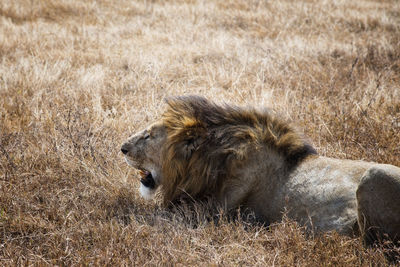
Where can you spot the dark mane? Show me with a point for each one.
(204, 138)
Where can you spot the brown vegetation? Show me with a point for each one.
(78, 77)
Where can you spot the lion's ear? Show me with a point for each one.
(191, 145)
(195, 134)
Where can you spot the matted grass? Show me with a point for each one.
(78, 77)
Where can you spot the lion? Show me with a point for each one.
(243, 157)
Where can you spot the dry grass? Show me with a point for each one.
(78, 77)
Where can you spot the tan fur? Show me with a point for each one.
(244, 157)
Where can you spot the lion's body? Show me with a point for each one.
(251, 159)
(320, 193)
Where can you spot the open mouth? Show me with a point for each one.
(147, 179)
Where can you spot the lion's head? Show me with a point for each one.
(197, 145)
(142, 151)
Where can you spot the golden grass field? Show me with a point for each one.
(78, 77)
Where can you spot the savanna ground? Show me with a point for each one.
(78, 77)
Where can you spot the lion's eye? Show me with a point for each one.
(147, 136)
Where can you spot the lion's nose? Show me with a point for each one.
(124, 148)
